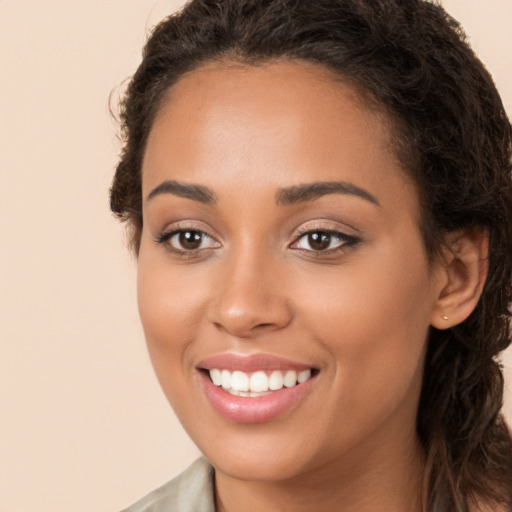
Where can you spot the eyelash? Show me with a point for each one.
(166, 238)
(346, 241)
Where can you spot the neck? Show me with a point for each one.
(390, 480)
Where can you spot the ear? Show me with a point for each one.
(460, 277)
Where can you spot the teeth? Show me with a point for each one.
(304, 376)
(275, 381)
(290, 379)
(259, 383)
(226, 379)
(240, 381)
(247, 393)
(216, 376)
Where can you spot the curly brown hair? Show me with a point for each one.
(452, 136)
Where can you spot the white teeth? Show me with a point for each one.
(290, 379)
(239, 381)
(216, 376)
(247, 393)
(275, 381)
(304, 376)
(258, 383)
(226, 379)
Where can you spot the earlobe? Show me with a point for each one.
(461, 276)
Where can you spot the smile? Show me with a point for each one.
(259, 383)
(255, 388)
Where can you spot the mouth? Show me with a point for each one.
(257, 388)
(258, 383)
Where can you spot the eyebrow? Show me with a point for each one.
(189, 191)
(285, 196)
(312, 191)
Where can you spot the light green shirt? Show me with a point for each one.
(191, 491)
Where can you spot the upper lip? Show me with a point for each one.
(250, 363)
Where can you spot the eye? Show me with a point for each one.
(323, 241)
(188, 240)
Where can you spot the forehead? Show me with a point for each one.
(271, 87)
(281, 79)
(295, 119)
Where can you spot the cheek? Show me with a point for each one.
(374, 320)
(171, 307)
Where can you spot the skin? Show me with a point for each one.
(359, 313)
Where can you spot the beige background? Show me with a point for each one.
(83, 424)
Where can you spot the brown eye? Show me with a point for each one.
(190, 240)
(319, 241)
(327, 242)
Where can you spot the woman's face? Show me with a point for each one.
(280, 235)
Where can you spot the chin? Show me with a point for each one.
(264, 454)
(256, 467)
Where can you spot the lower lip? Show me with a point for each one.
(257, 409)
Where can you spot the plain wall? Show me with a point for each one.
(83, 423)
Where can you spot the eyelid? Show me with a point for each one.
(344, 239)
(187, 225)
(327, 226)
(348, 240)
(164, 236)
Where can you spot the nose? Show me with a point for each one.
(251, 297)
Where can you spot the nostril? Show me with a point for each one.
(263, 326)
(249, 314)
(248, 328)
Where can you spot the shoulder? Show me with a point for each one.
(191, 491)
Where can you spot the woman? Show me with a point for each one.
(319, 196)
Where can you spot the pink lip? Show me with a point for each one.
(251, 363)
(257, 409)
